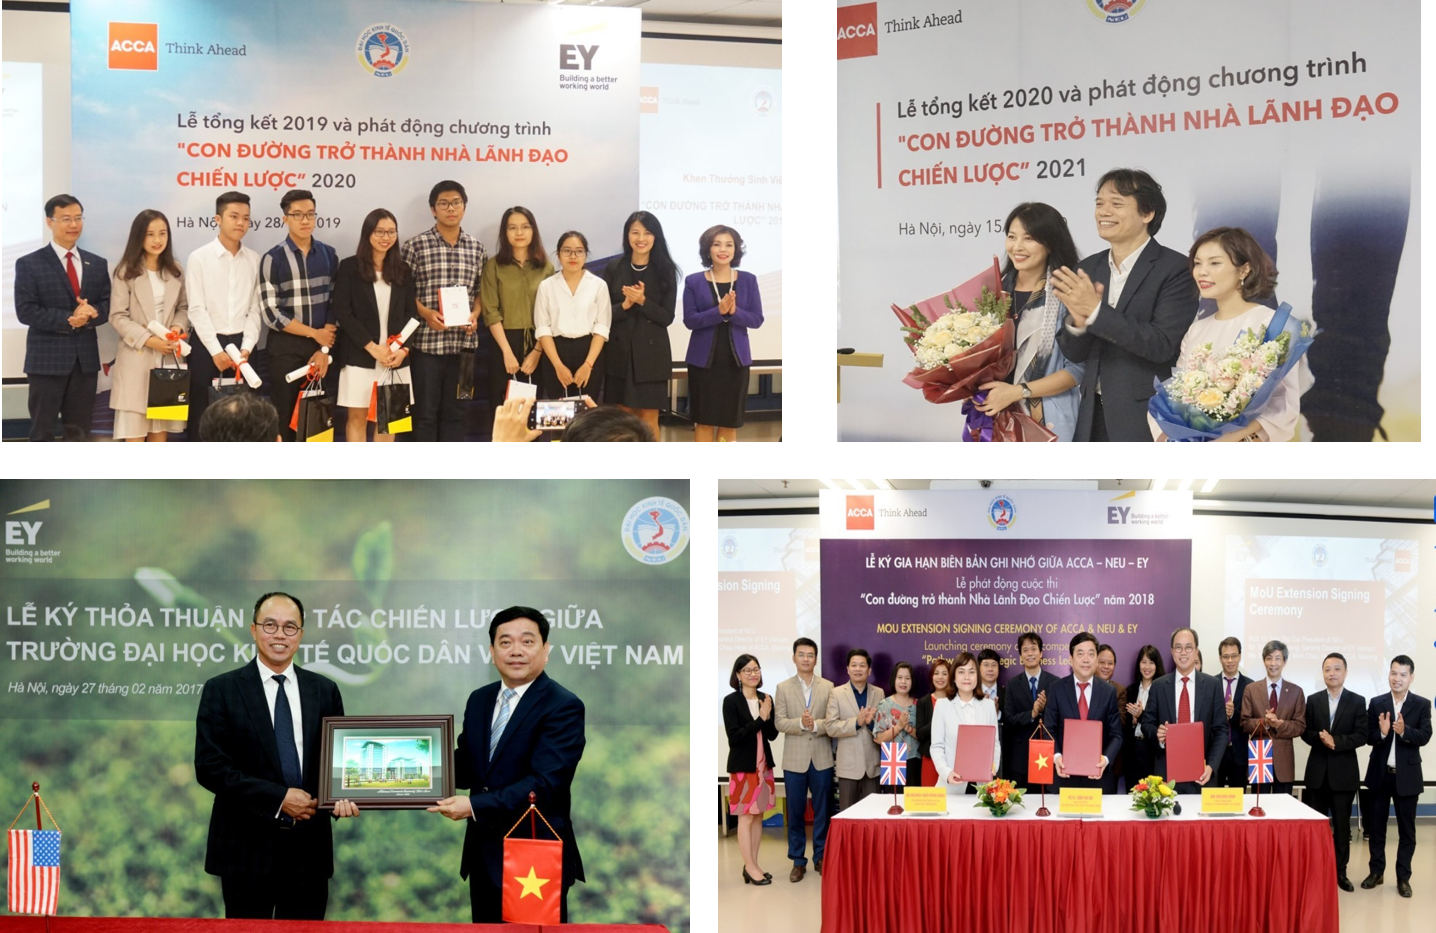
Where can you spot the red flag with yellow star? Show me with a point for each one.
(533, 880)
(1039, 761)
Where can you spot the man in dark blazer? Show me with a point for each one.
(256, 747)
(1066, 701)
(1332, 774)
(1130, 306)
(62, 294)
(1203, 705)
(1233, 684)
(527, 738)
(1024, 700)
(1397, 725)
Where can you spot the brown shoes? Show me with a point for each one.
(818, 865)
(797, 873)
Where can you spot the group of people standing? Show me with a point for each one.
(573, 332)
(1093, 334)
(831, 734)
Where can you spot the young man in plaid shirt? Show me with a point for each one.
(441, 257)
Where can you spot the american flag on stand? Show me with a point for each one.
(893, 767)
(1259, 761)
(34, 870)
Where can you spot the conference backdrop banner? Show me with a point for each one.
(123, 596)
(1299, 121)
(919, 575)
(365, 103)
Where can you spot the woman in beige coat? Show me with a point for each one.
(148, 286)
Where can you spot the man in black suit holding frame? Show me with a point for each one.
(256, 747)
(1186, 695)
(1335, 729)
(1397, 724)
(1083, 695)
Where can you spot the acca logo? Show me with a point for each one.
(1001, 513)
(134, 46)
(857, 30)
(655, 531)
(1115, 11)
(383, 50)
(860, 513)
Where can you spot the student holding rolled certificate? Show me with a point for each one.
(148, 290)
(966, 708)
(373, 301)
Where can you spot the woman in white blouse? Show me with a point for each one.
(1232, 269)
(966, 708)
(572, 315)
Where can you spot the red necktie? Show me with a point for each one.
(70, 271)
(1229, 689)
(1272, 704)
(1184, 705)
(1082, 701)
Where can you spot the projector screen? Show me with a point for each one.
(1318, 584)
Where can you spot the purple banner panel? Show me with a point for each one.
(919, 600)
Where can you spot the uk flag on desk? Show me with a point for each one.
(34, 877)
(893, 767)
(1259, 761)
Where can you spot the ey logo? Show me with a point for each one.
(23, 532)
(134, 46)
(860, 513)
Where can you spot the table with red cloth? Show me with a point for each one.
(214, 925)
(968, 870)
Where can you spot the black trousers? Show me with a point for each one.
(1232, 772)
(69, 398)
(573, 351)
(498, 376)
(1376, 804)
(1337, 803)
(201, 373)
(1099, 420)
(277, 897)
(287, 352)
(438, 410)
(487, 901)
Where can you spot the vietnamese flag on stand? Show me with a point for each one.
(1039, 761)
(533, 880)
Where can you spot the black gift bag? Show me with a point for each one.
(392, 410)
(168, 394)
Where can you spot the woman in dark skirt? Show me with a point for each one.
(719, 306)
(571, 321)
(642, 288)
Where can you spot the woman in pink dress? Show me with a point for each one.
(748, 717)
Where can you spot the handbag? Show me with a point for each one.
(168, 398)
(466, 374)
(391, 407)
(313, 418)
(518, 389)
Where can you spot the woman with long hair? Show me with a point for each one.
(148, 285)
(572, 317)
(1138, 758)
(508, 288)
(643, 290)
(940, 676)
(748, 718)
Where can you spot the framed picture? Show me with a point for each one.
(386, 762)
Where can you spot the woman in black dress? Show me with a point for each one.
(643, 289)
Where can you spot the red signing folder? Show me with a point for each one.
(1082, 747)
(972, 759)
(1186, 751)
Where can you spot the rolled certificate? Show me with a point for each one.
(298, 374)
(405, 334)
(250, 376)
(159, 331)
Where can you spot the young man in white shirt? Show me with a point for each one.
(221, 282)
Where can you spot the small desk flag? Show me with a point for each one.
(893, 767)
(34, 876)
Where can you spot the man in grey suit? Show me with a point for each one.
(1129, 308)
(851, 709)
(802, 706)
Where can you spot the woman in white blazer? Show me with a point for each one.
(148, 286)
(966, 708)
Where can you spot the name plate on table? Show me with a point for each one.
(1080, 801)
(1221, 801)
(924, 800)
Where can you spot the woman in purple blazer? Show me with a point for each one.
(719, 306)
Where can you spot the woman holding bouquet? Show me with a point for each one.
(897, 720)
(967, 708)
(720, 306)
(1232, 269)
(940, 675)
(1044, 381)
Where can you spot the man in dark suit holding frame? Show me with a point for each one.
(257, 737)
(522, 733)
(1186, 695)
(1083, 695)
(1335, 728)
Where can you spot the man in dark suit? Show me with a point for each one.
(1186, 695)
(1335, 728)
(1233, 684)
(989, 668)
(1083, 695)
(1106, 667)
(1023, 702)
(62, 294)
(1397, 725)
(1130, 306)
(256, 748)
(523, 733)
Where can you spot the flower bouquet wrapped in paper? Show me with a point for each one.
(1224, 389)
(960, 340)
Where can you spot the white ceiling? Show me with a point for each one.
(712, 12)
(1386, 493)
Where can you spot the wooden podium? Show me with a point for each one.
(856, 359)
